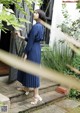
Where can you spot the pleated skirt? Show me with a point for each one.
(27, 79)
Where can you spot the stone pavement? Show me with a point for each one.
(64, 106)
(53, 102)
(10, 90)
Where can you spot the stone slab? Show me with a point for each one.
(68, 103)
(50, 109)
(47, 97)
(4, 104)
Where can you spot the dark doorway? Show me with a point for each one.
(47, 7)
(5, 36)
(5, 45)
(5, 40)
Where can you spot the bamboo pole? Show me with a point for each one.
(73, 69)
(36, 69)
(73, 44)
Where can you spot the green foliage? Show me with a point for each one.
(57, 58)
(72, 28)
(78, 4)
(68, 26)
(10, 19)
(18, 2)
(74, 94)
(8, 15)
(1, 104)
(75, 63)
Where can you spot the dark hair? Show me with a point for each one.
(41, 13)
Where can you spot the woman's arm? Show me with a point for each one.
(19, 35)
(31, 37)
(22, 37)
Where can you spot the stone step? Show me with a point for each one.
(26, 107)
(50, 109)
(16, 96)
(65, 105)
(21, 96)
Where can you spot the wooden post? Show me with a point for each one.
(1, 6)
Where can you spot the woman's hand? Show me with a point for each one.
(19, 35)
(24, 56)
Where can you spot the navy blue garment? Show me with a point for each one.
(33, 51)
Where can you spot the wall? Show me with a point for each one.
(58, 18)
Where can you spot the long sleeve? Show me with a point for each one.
(26, 38)
(31, 38)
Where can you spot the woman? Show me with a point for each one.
(33, 53)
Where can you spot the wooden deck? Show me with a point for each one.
(10, 90)
(20, 102)
(4, 69)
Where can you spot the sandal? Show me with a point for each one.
(20, 88)
(27, 93)
(23, 89)
(36, 100)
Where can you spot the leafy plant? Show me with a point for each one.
(10, 19)
(74, 94)
(75, 63)
(72, 28)
(78, 4)
(57, 58)
(8, 15)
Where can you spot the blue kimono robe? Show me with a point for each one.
(33, 51)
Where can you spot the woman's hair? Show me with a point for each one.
(41, 13)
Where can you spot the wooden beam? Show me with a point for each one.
(70, 1)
